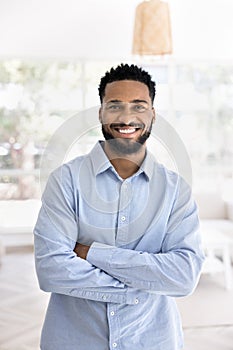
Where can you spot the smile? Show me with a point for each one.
(126, 131)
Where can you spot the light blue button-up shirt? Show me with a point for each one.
(145, 250)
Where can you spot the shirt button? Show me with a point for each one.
(136, 301)
(112, 313)
(123, 218)
(114, 345)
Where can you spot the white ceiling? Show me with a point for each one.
(103, 29)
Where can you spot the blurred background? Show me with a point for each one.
(52, 56)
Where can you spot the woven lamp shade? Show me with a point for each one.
(152, 29)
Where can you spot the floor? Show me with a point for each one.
(207, 314)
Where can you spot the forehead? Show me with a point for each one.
(126, 90)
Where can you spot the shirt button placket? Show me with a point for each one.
(113, 327)
(123, 218)
(123, 215)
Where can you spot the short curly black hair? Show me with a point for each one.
(127, 72)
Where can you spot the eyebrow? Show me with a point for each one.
(114, 101)
(139, 101)
(133, 101)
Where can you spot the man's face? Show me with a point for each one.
(126, 115)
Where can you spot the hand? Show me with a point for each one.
(81, 250)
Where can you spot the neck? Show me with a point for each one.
(125, 164)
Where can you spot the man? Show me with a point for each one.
(117, 236)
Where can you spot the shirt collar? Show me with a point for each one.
(99, 159)
(148, 165)
(101, 162)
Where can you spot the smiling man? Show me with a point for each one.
(117, 237)
(127, 116)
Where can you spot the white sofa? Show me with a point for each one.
(216, 214)
(216, 219)
(17, 219)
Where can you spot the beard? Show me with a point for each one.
(126, 146)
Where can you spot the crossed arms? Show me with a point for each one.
(67, 267)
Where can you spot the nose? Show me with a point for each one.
(126, 115)
(126, 118)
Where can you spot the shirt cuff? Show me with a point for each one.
(100, 255)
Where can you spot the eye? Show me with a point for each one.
(139, 108)
(113, 107)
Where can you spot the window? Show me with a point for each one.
(37, 97)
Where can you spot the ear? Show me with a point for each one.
(100, 114)
(154, 115)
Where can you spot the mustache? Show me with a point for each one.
(122, 125)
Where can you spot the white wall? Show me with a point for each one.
(104, 28)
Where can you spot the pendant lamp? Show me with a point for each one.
(152, 29)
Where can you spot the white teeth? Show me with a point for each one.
(126, 131)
